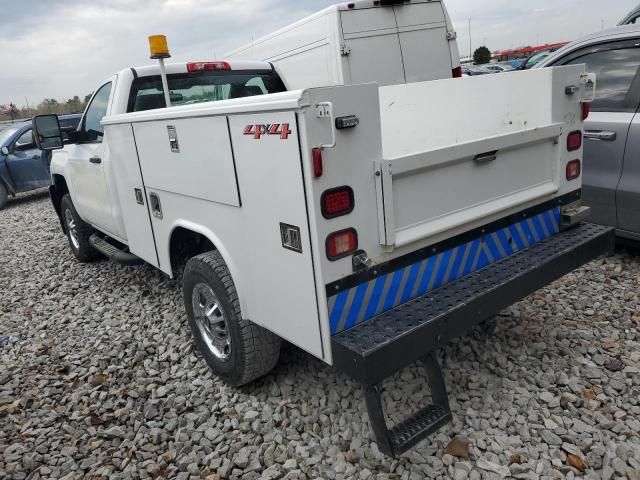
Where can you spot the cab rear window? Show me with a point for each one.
(210, 86)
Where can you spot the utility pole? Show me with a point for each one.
(27, 101)
(602, 22)
(470, 48)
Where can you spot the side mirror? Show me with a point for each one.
(4, 150)
(46, 132)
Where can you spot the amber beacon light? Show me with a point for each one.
(159, 49)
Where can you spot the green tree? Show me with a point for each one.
(482, 56)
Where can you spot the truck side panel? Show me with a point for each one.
(170, 152)
(275, 285)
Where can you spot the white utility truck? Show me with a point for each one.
(384, 41)
(367, 225)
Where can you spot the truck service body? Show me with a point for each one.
(365, 224)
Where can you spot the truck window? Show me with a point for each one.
(616, 70)
(190, 88)
(92, 128)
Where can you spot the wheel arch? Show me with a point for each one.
(185, 231)
(57, 190)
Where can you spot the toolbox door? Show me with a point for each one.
(128, 181)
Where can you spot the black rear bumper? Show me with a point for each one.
(378, 348)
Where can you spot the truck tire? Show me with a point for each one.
(237, 350)
(4, 195)
(78, 232)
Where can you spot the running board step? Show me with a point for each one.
(405, 435)
(112, 252)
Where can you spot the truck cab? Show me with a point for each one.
(84, 167)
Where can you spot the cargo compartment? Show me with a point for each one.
(506, 151)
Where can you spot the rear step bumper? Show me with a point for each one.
(378, 348)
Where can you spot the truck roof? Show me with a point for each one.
(181, 67)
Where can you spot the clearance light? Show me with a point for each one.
(574, 169)
(342, 244)
(574, 141)
(337, 202)
(586, 110)
(207, 66)
(457, 72)
(316, 156)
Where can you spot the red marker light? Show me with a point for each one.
(195, 67)
(574, 141)
(316, 155)
(337, 202)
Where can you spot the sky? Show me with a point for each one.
(58, 49)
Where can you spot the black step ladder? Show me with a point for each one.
(404, 436)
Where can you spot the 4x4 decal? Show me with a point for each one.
(273, 129)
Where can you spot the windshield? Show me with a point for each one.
(190, 88)
(5, 134)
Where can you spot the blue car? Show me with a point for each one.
(23, 167)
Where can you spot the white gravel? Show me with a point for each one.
(105, 383)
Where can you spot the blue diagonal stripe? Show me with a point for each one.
(493, 248)
(393, 290)
(456, 264)
(472, 256)
(356, 306)
(527, 231)
(516, 237)
(375, 297)
(337, 310)
(504, 240)
(446, 258)
(426, 276)
(539, 229)
(411, 282)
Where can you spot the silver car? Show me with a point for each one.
(612, 132)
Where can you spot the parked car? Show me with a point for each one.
(534, 60)
(23, 167)
(612, 131)
(631, 17)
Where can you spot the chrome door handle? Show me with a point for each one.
(95, 160)
(602, 136)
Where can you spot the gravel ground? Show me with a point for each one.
(105, 383)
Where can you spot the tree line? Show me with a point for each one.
(48, 105)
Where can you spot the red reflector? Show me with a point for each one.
(207, 66)
(316, 155)
(342, 244)
(574, 169)
(457, 72)
(337, 202)
(574, 141)
(586, 110)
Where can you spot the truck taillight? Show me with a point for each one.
(342, 244)
(457, 72)
(574, 141)
(574, 169)
(207, 66)
(586, 110)
(337, 202)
